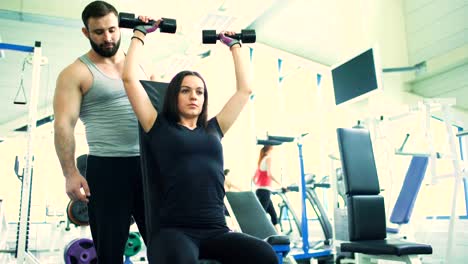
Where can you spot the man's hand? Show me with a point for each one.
(73, 185)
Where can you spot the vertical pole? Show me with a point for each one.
(304, 222)
(430, 140)
(457, 180)
(321, 124)
(465, 188)
(463, 152)
(26, 186)
(280, 88)
(281, 115)
(253, 129)
(322, 134)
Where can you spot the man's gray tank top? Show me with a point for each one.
(111, 125)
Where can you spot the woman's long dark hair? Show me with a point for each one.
(263, 152)
(171, 109)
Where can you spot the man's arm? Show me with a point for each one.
(67, 101)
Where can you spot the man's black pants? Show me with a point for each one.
(116, 194)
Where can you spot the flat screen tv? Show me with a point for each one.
(357, 78)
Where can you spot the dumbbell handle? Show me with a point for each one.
(246, 36)
(237, 36)
(128, 20)
(134, 23)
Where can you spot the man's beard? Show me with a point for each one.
(105, 52)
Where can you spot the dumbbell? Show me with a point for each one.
(128, 20)
(246, 36)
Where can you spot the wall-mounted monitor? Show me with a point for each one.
(357, 78)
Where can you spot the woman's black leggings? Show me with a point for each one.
(187, 246)
(263, 196)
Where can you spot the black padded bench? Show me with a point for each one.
(251, 218)
(366, 209)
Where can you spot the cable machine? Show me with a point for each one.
(23, 256)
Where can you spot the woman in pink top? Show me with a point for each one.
(262, 179)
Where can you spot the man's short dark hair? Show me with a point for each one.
(97, 9)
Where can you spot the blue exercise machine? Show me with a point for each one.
(305, 253)
(287, 212)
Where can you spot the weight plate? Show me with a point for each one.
(133, 245)
(77, 212)
(80, 251)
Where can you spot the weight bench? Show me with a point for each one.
(250, 216)
(366, 209)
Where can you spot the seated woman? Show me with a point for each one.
(188, 153)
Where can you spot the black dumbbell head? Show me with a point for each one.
(127, 20)
(168, 25)
(248, 36)
(209, 36)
